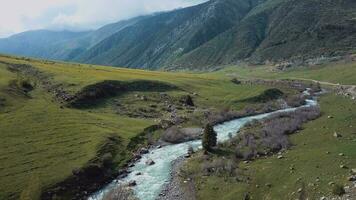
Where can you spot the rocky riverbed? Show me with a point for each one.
(174, 189)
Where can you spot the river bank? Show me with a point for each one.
(173, 189)
(150, 179)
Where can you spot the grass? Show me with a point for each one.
(308, 157)
(43, 143)
(336, 72)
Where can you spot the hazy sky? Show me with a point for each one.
(22, 15)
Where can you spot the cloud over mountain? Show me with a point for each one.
(18, 15)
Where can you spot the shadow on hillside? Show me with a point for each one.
(93, 95)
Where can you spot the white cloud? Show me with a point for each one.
(22, 15)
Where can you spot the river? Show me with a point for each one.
(154, 177)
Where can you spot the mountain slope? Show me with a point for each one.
(214, 33)
(59, 45)
(160, 40)
(39, 43)
(72, 48)
(277, 30)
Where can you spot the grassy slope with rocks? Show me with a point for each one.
(46, 141)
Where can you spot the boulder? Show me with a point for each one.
(337, 135)
(144, 98)
(343, 167)
(132, 183)
(144, 151)
(150, 162)
(352, 178)
(353, 171)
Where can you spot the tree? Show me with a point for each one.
(209, 138)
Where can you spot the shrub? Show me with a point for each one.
(271, 134)
(120, 193)
(21, 84)
(172, 135)
(237, 82)
(187, 100)
(177, 135)
(295, 100)
(219, 166)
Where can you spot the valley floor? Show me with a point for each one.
(47, 139)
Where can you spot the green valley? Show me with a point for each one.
(46, 141)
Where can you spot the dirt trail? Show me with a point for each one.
(340, 89)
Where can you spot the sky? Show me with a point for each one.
(22, 15)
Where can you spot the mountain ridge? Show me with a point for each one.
(218, 32)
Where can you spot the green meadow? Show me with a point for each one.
(43, 142)
(341, 72)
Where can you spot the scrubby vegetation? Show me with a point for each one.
(338, 190)
(270, 135)
(120, 193)
(175, 134)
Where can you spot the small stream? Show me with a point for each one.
(154, 177)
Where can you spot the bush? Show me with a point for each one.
(176, 135)
(271, 134)
(187, 100)
(295, 100)
(338, 190)
(237, 82)
(120, 193)
(219, 166)
(21, 84)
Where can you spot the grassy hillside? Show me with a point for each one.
(306, 165)
(314, 160)
(44, 141)
(343, 72)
